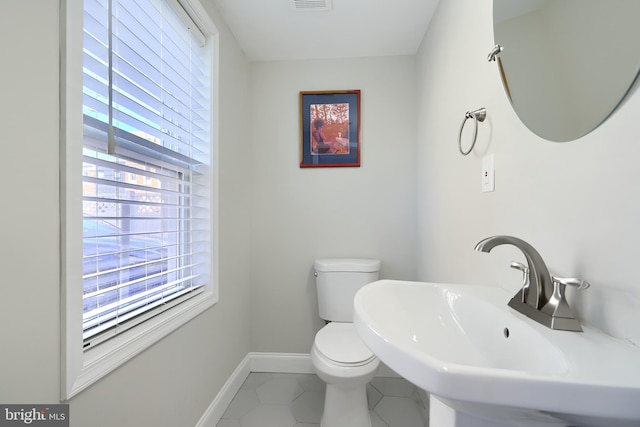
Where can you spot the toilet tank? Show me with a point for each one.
(338, 280)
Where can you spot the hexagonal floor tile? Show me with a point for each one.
(243, 403)
(308, 407)
(297, 400)
(376, 421)
(373, 396)
(255, 380)
(390, 386)
(399, 411)
(279, 391)
(311, 382)
(269, 416)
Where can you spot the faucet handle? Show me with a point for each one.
(558, 308)
(571, 281)
(519, 266)
(525, 279)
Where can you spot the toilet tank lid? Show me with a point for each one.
(347, 264)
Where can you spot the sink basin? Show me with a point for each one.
(465, 346)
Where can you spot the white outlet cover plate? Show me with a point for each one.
(488, 174)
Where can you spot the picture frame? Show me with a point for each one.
(330, 128)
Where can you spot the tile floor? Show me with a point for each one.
(297, 400)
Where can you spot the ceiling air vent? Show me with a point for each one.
(311, 5)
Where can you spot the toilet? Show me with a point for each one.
(339, 356)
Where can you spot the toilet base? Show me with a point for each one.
(345, 407)
(345, 403)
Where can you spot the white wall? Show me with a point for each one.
(303, 214)
(29, 264)
(151, 389)
(575, 202)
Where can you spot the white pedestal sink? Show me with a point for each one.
(487, 365)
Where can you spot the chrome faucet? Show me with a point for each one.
(541, 297)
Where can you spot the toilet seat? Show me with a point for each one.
(340, 344)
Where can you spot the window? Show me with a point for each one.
(143, 160)
(146, 113)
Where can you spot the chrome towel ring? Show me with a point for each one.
(478, 116)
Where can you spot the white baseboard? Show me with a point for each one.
(219, 404)
(291, 363)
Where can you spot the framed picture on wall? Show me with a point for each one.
(330, 128)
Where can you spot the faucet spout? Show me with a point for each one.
(541, 297)
(540, 281)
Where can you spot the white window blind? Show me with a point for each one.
(146, 163)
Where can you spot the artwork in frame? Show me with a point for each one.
(330, 128)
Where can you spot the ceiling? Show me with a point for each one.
(274, 30)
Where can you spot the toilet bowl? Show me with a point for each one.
(346, 365)
(341, 359)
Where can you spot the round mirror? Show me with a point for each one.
(566, 64)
